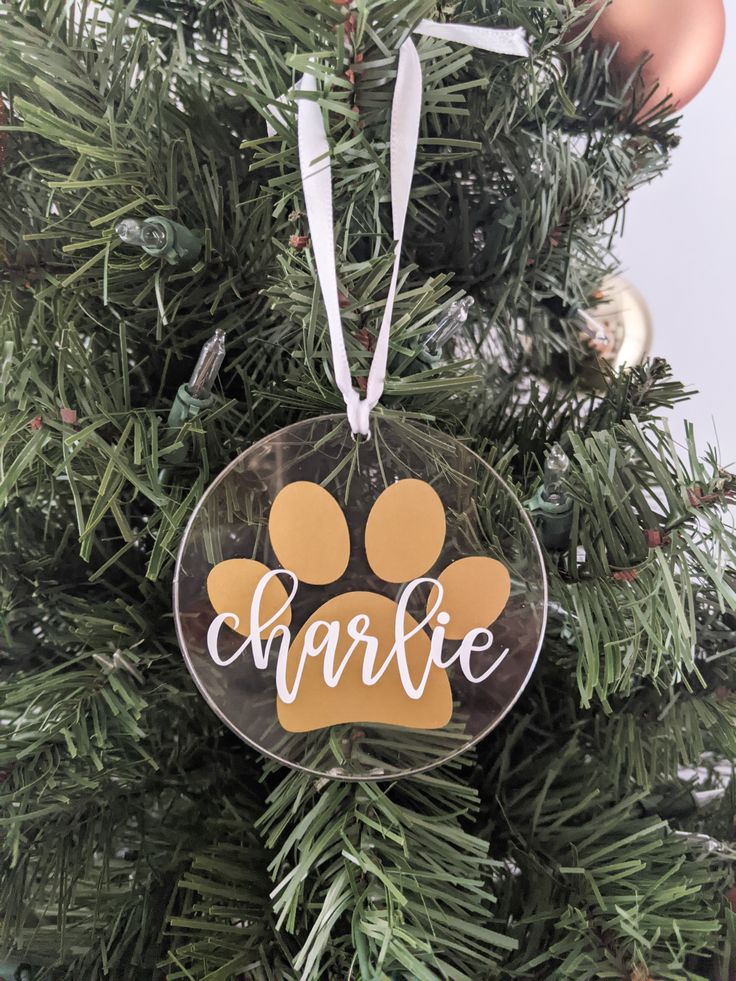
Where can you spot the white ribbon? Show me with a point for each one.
(316, 170)
(503, 42)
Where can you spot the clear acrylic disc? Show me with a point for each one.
(407, 615)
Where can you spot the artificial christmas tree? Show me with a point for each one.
(141, 838)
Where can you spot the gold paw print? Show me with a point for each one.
(342, 666)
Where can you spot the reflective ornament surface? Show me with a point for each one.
(625, 324)
(683, 40)
(361, 609)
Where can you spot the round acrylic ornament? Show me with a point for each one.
(408, 613)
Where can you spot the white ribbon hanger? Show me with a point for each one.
(316, 170)
(498, 40)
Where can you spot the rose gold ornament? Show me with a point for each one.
(684, 38)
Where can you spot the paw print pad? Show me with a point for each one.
(362, 656)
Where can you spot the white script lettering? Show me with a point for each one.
(322, 639)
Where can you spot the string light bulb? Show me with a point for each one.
(430, 353)
(146, 234)
(159, 236)
(552, 506)
(196, 394)
(677, 800)
(450, 322)
(556, 469)
(208, 366)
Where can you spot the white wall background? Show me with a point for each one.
(679, 248)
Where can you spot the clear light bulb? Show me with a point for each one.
(146, 234)
(208, 366)
(448, 324)
(556, 468)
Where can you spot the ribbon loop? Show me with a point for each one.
(316, 171)
(359, 412)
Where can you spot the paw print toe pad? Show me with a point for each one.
(405, 531)
(309, 533)
(475, 592)
(231, 585)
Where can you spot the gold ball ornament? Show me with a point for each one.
(684, 39)
(624, 326)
